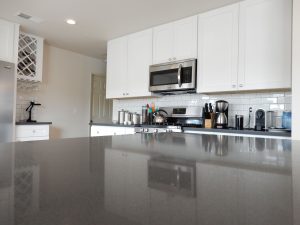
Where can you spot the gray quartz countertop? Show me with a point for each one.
(33, 123)
(167, 178)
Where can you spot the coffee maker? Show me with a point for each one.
(221, 114)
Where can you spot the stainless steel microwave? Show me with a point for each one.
(175, 76)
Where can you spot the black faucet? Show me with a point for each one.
(29, 109)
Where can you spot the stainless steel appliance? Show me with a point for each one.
(260, 120)
(222, 114)
(239, 122)
(159, 117)
(176, 118)
(135, 119)
(174, 176)
(7, 93)
(184, 116)
(169, 78)
(121, 116)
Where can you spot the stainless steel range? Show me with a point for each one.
(177, 117)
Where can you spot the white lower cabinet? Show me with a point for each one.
(126, 185)
(32, 132)
(110, 130)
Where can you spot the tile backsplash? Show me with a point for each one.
(239, 103)
(23, 101)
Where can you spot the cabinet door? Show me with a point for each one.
(98, 131)
(116, 68)
(139, 60)
(163, 43)
(185, 38)
(265, 44)
(7, 41)
(218, 50)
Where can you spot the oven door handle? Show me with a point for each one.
(179, 75)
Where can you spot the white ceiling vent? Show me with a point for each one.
(29, 17)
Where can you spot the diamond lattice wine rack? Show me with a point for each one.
(30, 58)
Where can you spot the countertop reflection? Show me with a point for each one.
(151, 179)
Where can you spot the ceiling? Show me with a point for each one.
(98, 20)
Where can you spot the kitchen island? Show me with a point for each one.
(162, 179)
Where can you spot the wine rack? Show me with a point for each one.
(30, 58)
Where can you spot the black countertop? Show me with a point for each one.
(131, 180)
(33, 123)
(193, 129)
(233, 131)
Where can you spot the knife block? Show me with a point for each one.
(209, 123)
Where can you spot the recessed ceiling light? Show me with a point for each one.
(71, 21)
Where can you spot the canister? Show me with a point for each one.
(135, 118)
(121, 116)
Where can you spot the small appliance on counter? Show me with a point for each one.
(221, 114)
(260, 120)
(239, 122)
(278, 121)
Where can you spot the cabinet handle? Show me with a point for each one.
(241, 85)
(233, 86)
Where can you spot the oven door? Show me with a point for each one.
(179, 75)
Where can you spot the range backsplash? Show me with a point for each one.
(238, 103)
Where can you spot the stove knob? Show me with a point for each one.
(146, 130)
(155, 130)
(142, 130)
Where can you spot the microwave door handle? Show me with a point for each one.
(179, 75)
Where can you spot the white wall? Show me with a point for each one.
(64, 92)
(296, 69)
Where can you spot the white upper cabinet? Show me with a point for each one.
(185, 38)
(163, 43)
(218, 50)
(128, 61)
(9, 33)
(265, 44)
(175, 41)
(30, 58)
(139, 60)
(246, 46)
(116, 68)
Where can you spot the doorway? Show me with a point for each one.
(101, 108)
